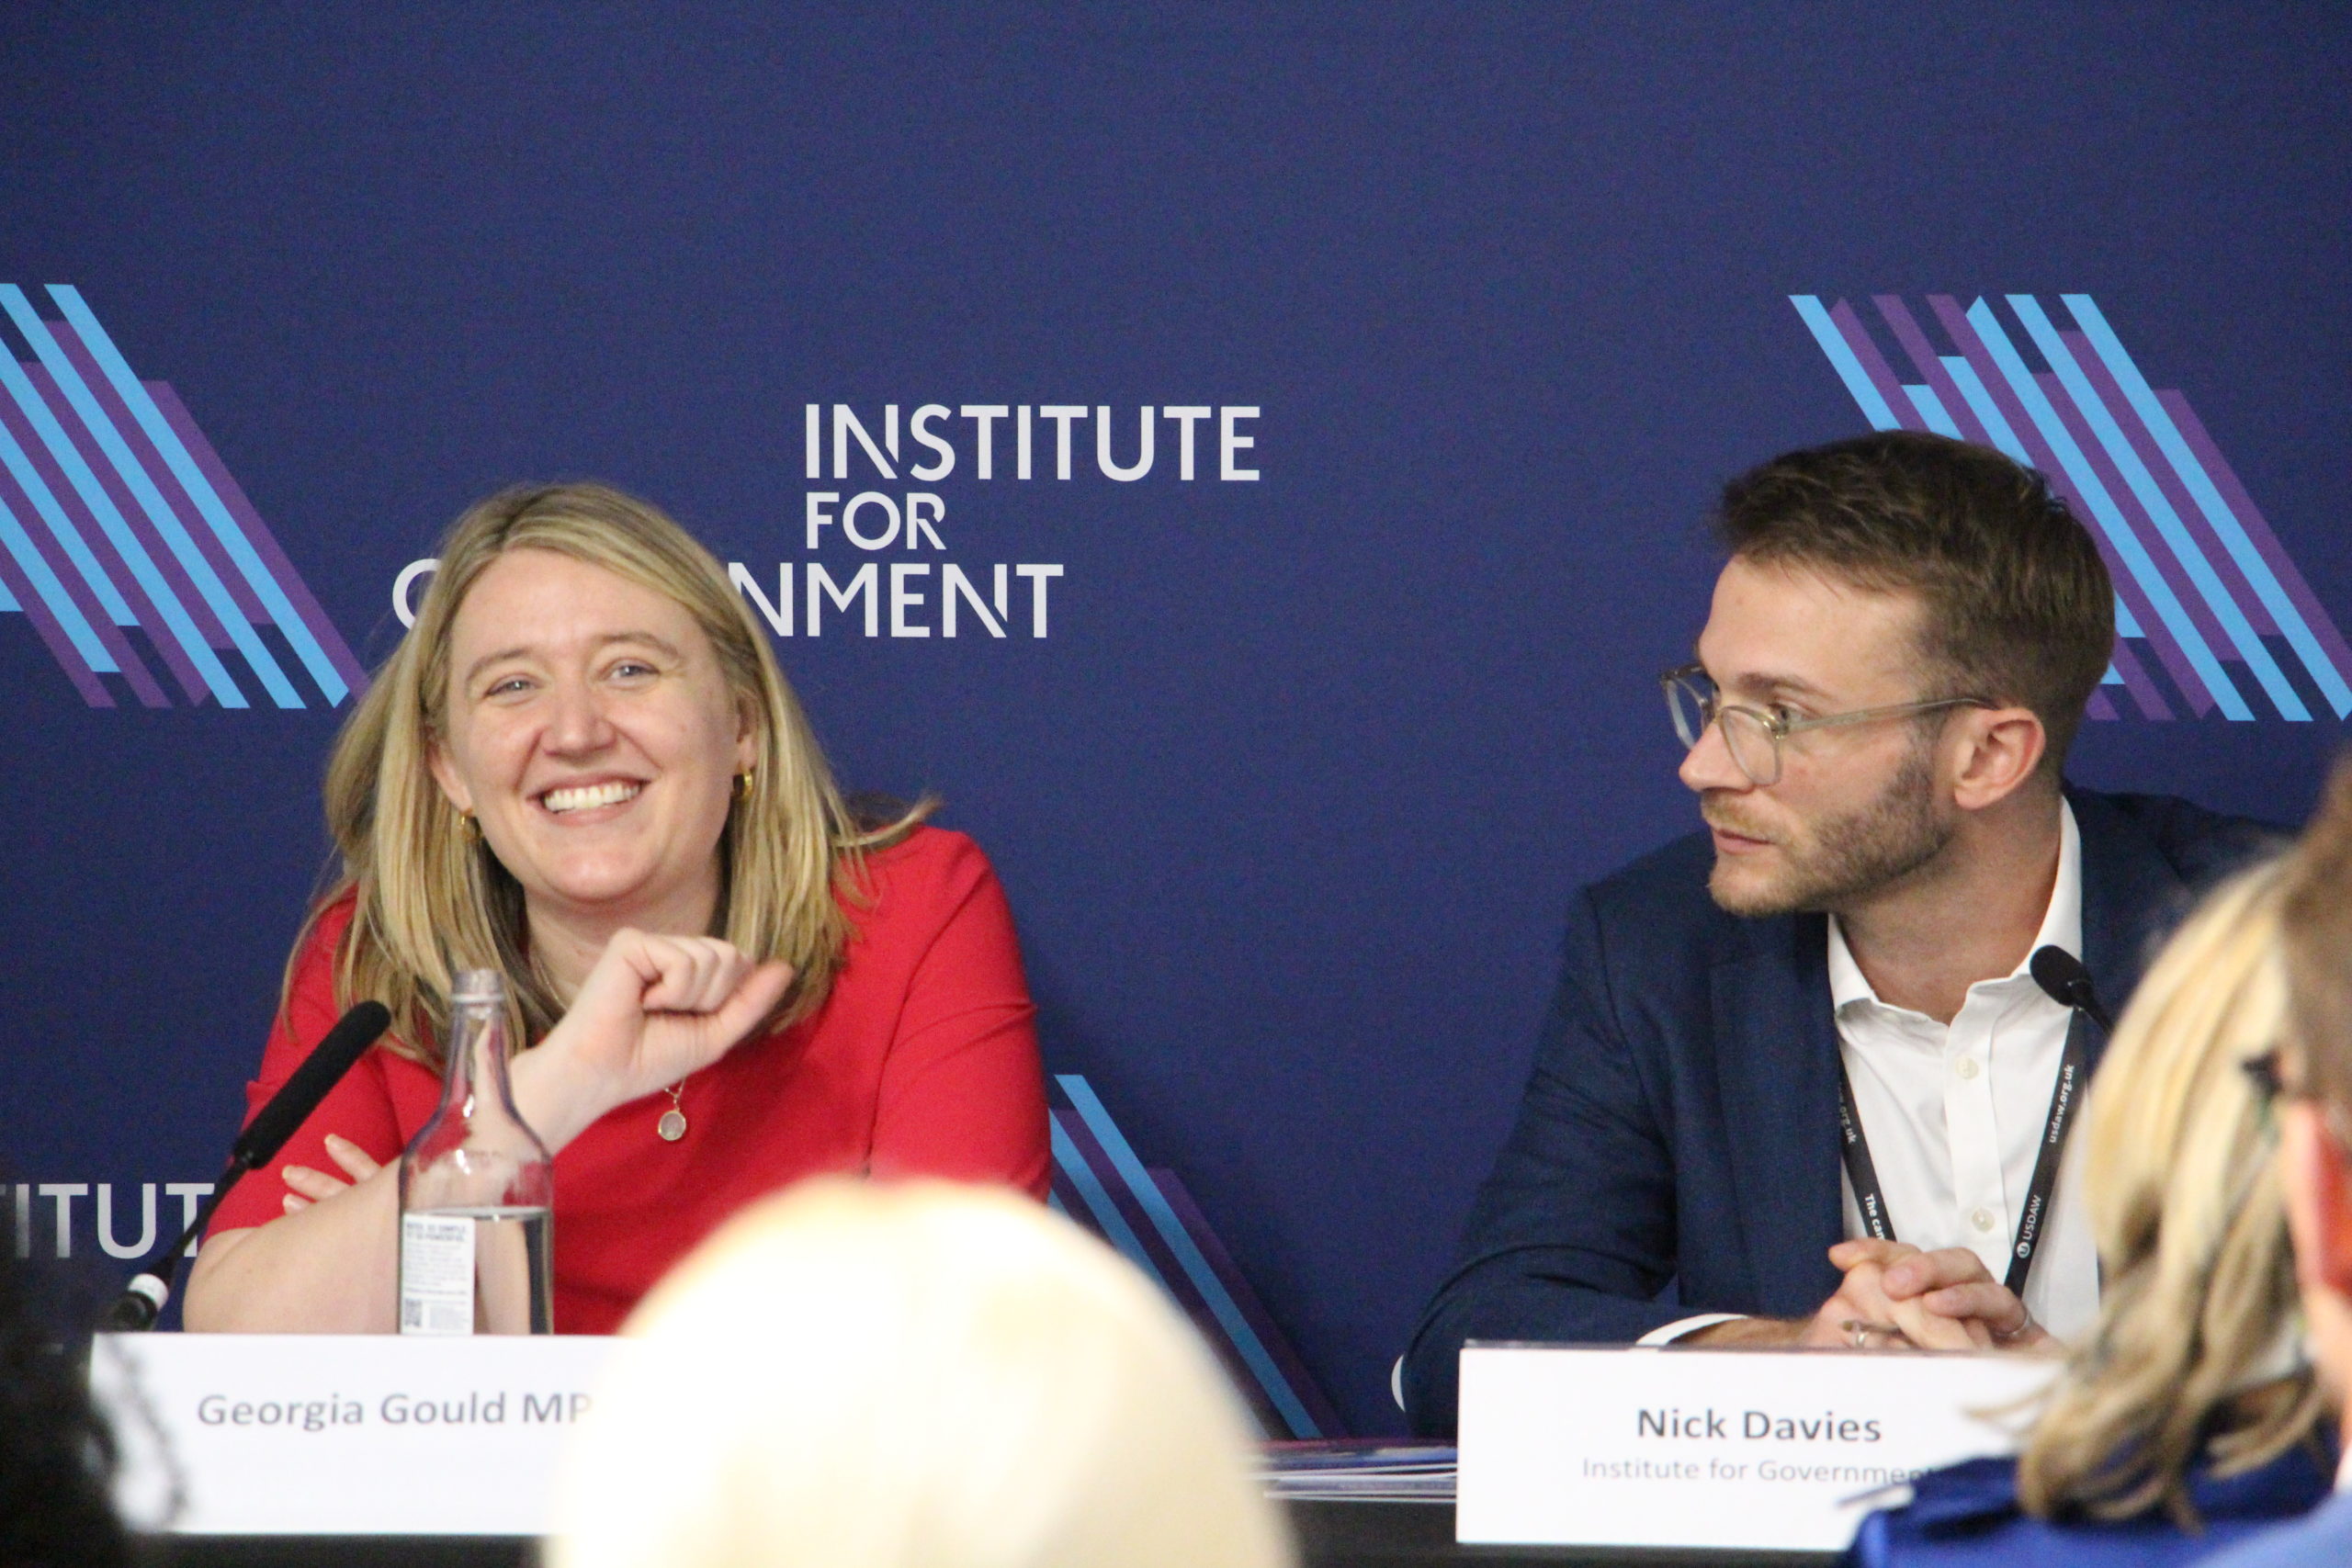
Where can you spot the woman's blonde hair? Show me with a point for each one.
(430, 899)
(862, 1375)
(2187, 1361)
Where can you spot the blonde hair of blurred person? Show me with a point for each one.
(433, 900)
(2192, 1358)
(861, 1375)
(2319, 972)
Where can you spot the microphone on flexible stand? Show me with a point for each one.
(142, 1302)
(2064, 979)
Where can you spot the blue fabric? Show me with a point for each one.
(2325, 1536)
(1680, 1122)
(1968, 1514)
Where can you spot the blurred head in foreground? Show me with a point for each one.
(912, 1376)
(2194, 1357)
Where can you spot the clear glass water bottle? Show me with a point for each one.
(476, 1189)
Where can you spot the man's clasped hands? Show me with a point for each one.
(1898, 1297)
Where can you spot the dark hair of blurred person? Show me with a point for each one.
(2187, 1419)
(56, 1453)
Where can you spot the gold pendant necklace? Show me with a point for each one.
(672, 1126)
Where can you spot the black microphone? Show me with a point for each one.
(142, 1302)
(2064, 979)
(291, 1105)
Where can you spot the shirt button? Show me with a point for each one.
(1981, 1219)
(1966, 1068)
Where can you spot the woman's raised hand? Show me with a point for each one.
(653, 1009)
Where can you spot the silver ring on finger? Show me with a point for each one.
(1859, 1332)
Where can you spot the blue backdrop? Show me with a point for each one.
(1291, 778)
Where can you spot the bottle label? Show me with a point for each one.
(436, 1274)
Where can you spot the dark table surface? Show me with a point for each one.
(1330, 1535)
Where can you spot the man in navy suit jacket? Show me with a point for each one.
(2313, 1076)
(1900, 647)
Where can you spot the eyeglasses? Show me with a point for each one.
(2270, 1075)
(2274, 1087)
(1752, 735)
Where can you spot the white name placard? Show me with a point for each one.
(1743, 1448)
(246, 1433)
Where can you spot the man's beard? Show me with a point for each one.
(1844, 858)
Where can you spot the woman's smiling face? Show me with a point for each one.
(590, 729)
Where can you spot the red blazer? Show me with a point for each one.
(922, 1061)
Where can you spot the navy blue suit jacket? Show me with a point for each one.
(1967, 1515)
(2321, 1539)
(1680, 1121)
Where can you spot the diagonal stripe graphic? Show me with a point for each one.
(2104, 511)
(109, 628)
(175, 535)
(2201, 579)
(110, 637)
(2142, 686)
(127, 547)
(36, 490)
(2144, 488)
(1196, 1267)
(2257, 527)
(60, 498)
(199, 489)
(85, 681)
(1988, 412)
(1931, 408)
(76, 627)
(143, 452)
(116, 513)
(2217, 512)
(134, 518)
(1873, 363)
(272, 555)
(1072, 1163)
(2153, 459)
(2023, 442)
(52, 632)
(1295, 1373)
(1987, 377)
(1874, 406)
(1933, 371)
(2200, 614)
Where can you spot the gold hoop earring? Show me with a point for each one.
(743, 784)
(468, 827)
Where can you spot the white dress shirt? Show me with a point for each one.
(1955, 1113)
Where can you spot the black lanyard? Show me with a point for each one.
(2072, 1068)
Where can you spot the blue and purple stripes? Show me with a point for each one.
(1149, 1218)
(126, 543)
(2201, 582)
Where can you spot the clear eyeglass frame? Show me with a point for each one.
(2276, 1085)
(1753, 735)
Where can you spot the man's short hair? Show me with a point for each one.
(2020, 608)
(2317, 923)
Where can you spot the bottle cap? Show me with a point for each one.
(478, 986)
